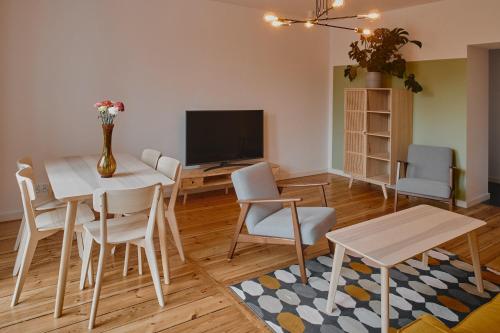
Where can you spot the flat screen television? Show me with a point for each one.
(224, 136)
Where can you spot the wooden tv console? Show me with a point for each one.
(196, 179)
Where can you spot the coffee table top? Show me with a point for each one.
(391, 239)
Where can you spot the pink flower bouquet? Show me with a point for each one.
(108, 110)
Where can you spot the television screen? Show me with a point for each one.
(223, 136)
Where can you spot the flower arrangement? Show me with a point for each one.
(108, 110)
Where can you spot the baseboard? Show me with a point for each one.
(302, 174)
(11, 216)
(477, 200)
(494, 180)
(338, 172)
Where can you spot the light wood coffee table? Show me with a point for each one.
(394, 238)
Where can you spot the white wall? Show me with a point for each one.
(494, 169)
(161, 58)
(445, 27)
(477, 124)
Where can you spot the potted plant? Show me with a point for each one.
(380, 53)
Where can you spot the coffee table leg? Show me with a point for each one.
(384, 311)
(69, 226)
(425, 259)
(338, 257)
(474, 253)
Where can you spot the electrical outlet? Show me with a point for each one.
(42, 188)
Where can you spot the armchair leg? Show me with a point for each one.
(302, 264)
(323, 197)
(237, 231)
(450, 204)
(331, 246)
(395, 201)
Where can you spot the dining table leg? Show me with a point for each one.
(384, 307)
(69, 226)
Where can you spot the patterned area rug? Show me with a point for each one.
(445, 289)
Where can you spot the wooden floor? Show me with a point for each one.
(198, 299)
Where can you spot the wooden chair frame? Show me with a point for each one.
(296, 241)
(451, 183)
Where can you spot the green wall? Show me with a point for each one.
(439, 115)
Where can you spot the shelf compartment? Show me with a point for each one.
(378, 122)
(380, 134)
(378, 99)
(378, 148)
(378, 170)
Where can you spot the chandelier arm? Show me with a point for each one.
(334, 26)
(336, 18)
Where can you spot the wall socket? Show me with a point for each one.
(42, 188)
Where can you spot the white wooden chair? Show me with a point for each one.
(136, 228)
(151, 157)
(48, 203)
(39, 226)
(171, 168)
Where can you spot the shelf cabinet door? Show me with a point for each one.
(355, 132)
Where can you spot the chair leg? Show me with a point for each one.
(127, 255)
(237, 231)
(450, 204)
(395, 201)
(20, 234)
(139, 259)
(28, 253)
(86, 259)
(98, 284)
(20, 252)
(302, 264)
(155, 275)
(79, 243)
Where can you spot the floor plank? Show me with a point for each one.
(197, 300)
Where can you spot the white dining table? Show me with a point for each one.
(75, 178)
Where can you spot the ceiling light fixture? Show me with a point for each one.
(322, 18)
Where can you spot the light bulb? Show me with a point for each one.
(337, 3)
(309, 24)
(366, 32)
(270, 18)
(371, 16)
(277, 23)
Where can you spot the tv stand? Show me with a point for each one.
(225, 165)
(218, 177)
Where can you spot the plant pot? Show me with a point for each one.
(106, 166)
(373, 80)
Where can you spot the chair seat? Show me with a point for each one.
(424, 187)
(55, 219)
(49, 204)
(120, 229)
(314, 222)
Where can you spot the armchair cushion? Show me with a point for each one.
(256, 182)
(428, 162)
(314, 222)
(424, 187)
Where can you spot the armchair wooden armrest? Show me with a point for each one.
(303, 185)
(320, 185)
(260, 201)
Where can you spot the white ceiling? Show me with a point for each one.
(303, 7)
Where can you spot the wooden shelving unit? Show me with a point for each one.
(378, 128)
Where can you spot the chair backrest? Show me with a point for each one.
(128, 201)
(24, 162)
(171, 168)
(25, 181)
(151, 157)
(256, 182)
(428, 162)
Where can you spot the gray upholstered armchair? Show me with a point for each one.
(428, 173)
(268, 222)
